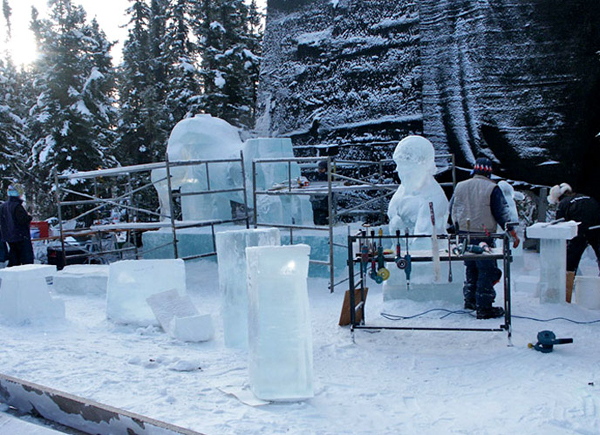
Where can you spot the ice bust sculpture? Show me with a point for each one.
(409, 207)
(205, 137)
(409, 210)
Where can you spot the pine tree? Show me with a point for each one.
(13, 131)
(183, 87)
(229, 66)
(73, 117)
(144, 121)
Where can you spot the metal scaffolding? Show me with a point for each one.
(336, 185)
(122, 195)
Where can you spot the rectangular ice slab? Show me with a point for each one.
(131, 282)
(81, 279)
(179, 317)
(561, 230)
(25, 297)
(279, 329)
(231, 254)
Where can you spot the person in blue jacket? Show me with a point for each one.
(477, 207)
(14, 229)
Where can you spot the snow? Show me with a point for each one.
(388, 382)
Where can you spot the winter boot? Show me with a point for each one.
(470, 305)
(490, 313)
(570, 283)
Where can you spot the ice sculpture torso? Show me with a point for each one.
(409, 207)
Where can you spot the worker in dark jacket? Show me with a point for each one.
(14, 229)
(477, 208)
(585, 210)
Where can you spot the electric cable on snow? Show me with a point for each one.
(396, 317)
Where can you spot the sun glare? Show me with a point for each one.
(23, 50)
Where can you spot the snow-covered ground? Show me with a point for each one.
(386, 382)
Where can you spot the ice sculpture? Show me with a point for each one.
(409, 210)
(409, 207)
(231, 254)
(279, 328)
(511, 195)
(205, 137)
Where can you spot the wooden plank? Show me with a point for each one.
(345, 315)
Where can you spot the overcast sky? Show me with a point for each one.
(109, 13)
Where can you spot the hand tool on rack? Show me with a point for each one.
(449, 260)
(381, 270)
(435, 250)
(399, 260)
(408, 267)
(373, 274)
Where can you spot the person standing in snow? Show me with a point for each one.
(14, 229)
(476, 208)
(580, 208)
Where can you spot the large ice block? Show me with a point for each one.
(131, 282)
(231, 254)
(179, 317)
(279, 329)
(81, 279)
(25, 297)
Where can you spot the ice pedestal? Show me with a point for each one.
(553, 258)
(280, 338)
(231, 254)
(24, 295)
(131, 282)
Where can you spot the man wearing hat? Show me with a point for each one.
(477, 208)
(585, 210)
(14, 229)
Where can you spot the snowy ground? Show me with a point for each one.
(387, 382)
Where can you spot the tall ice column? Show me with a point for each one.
(280, 338)
(231, 254)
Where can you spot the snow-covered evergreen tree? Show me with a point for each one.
(183, 87)
(14, 143)
(73, 116)
(229, 66)
(144, 121)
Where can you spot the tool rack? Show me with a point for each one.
(363, 239)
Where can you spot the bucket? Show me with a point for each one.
(587, 292)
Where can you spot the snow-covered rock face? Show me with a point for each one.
(517, 82)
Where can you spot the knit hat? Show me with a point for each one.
(13, 191)
(322, 164)
(556, 192)
(483, 166)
